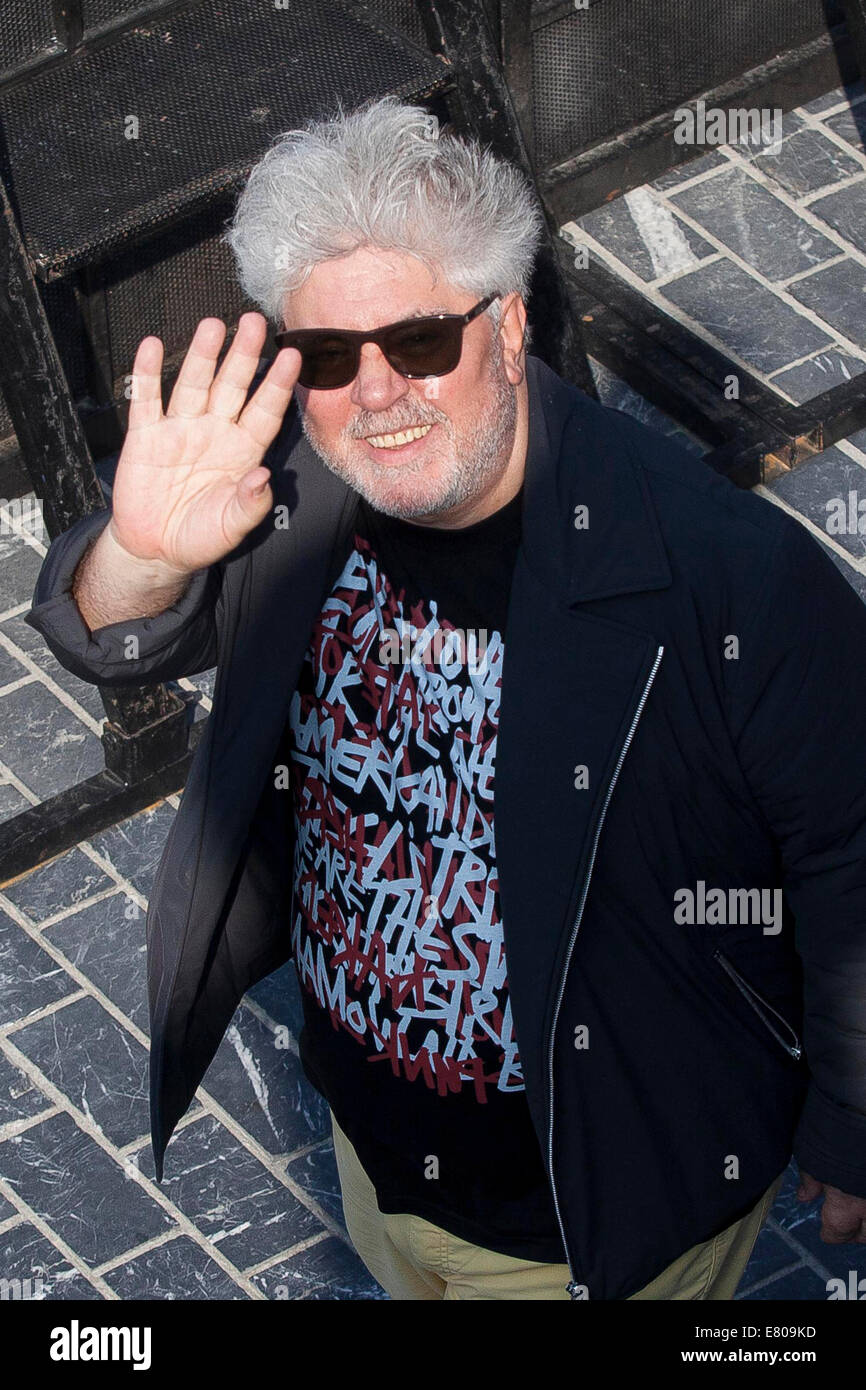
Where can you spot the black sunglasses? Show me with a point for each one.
(330, 357)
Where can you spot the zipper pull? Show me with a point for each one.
(575, 1290)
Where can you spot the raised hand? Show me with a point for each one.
(190, 483)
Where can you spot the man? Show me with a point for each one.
(571, 1058)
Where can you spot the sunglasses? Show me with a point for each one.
(330, 357)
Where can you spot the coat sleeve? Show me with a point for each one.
(180, 641)
(799, 721)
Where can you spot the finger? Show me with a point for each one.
(145, 384)
(247, 506)
(266, 410)
(229, 392)
(809, 1188)
(191, 393)
(838, 1234)
(840, 1219)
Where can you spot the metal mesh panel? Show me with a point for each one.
(401, 15)
(600, 71)
(26, 30)
(97, 13)
(167, 287)
(211, 87)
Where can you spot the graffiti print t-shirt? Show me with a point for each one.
(396, 933)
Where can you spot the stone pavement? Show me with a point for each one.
(764, 255)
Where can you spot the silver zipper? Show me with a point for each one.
(572, 1285)
(758, 1003)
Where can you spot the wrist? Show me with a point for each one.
(156, 572)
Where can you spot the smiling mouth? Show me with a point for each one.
(400, 439)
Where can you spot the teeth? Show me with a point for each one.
(393, 441)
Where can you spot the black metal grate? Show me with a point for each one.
(96, 14)
(27, 30)
(210, 87)
(167, 287)
(598, 72)
(402, 15)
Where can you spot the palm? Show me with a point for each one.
(182, 490)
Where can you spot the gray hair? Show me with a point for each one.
(384, 176)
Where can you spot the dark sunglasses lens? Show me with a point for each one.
(430, 347)
(326, 362)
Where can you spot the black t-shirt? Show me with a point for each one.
(396, 933)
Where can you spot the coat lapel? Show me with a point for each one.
(572, 681)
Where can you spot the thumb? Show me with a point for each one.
(249, 504)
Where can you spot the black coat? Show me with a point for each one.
(663, 1059)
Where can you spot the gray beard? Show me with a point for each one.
(476, 461)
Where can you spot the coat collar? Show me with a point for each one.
(580, 455)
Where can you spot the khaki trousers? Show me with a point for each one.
(411, 1258)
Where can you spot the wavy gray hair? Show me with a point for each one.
(385, 176)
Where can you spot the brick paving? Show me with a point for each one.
(763, 255)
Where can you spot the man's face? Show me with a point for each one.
(472, 412)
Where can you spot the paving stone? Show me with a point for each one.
(44, 743)
(316, 1172)
(29, 978)
(106, 941)
(806, 162)
(279, 994)
(11, 801)
(745, 317)
(751, 146)
(264, 1088)
(49, 888)
(228, 1194)
(328, 1270)
(135, 845)
(19, 569)
(179, 1269)
(691, 170)
(30, 641)
(823, 481)
(20, 1098)
(7, 1210)
(770, 1257)
(845, 212)
(762, 230)
(837, 294)
(205, 682)
(645, 235)
(851, 126)
(94, 1061)
(80, 1191)
(45, 1273)
(850, 93)
(819, 374)
(10, 669)
(799, 1285)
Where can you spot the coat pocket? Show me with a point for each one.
(787, 1038)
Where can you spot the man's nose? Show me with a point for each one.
(377, 385)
